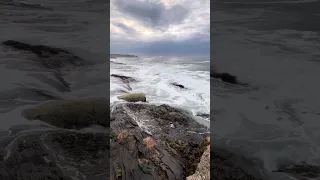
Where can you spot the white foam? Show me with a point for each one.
(154, 78)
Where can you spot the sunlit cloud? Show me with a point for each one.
(150, 22)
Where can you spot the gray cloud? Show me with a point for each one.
(130, 31)
(153, 13)
(160, 27)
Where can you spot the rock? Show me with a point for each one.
(52, 58)
(45, 154)
(225, 166)
(301, 171)
(57, 81)
(71, 114)
(125, 79)
(178, 85)
(203, 115)
(163, 153)
(226, 77)
(133, 97)
(203, 169)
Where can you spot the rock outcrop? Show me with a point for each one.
(163, 152)
(301, 171)
(54, 154)
(203, 169)
(48, 57)
(224, 166)
(143, 143)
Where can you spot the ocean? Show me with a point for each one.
(155, 76)
(274, 46)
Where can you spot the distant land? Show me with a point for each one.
(122, 55)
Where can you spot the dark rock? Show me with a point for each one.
(124, 79)
(52, 58)
(203, 169)
(58, 82)
(43, 155)
(226, 77)
(301, 171)
(203, 115)
(178, 85)
(167, 153)
(27, 161)
(225, 167)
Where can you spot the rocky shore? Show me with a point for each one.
(89, 139)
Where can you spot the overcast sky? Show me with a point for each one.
(160, 27)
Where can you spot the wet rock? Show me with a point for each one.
(301, 171)
(50, 57)
(71, 114)
(57, 81)
(178, 85)
(226, 77)
(203, 169)
(124, 79)
(26, 160)
(44, 155)
(164, 152)
(203, 115)
(133, 97)
(224, 166)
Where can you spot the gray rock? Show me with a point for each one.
(166, 153)
(51, 57)
(45, 155)
(203, 169)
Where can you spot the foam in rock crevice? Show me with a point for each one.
(140, 121)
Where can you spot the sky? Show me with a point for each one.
(160, 27)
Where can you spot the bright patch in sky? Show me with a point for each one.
(160, 26)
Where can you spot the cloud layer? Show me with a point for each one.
(160, 26)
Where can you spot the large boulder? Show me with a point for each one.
(145, 146)
(72, 114)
